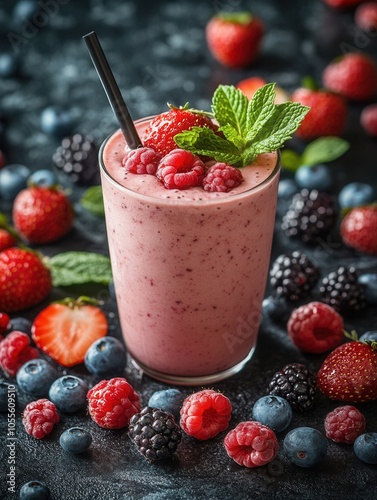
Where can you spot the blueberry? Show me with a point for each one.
(169, 400)
(75, 440)
(56, 121)
(355, 194)
(8, 65)
(13, 178)
(369, 283)
(372, 335)
(43, 177)
(34, 490)
(4, 395)
(314, 177)
(24, 9)
(106, 356)
(36, 376)
(277, 308)
(273, 411)
(365, 448)
(68, 393)
(305, 446)
(20, 324)
(287, 188)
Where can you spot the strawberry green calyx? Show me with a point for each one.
(79, 302)
(4, 224)
(249, 127)
(308, 82)
(192, 110)
(243, 18)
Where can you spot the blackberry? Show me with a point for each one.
(293, 275)
(77, 159)
(342, 290)
(296, 384)
(310, 216)
(155, 433)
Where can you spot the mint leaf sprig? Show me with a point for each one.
(249, 128)
(322, 150)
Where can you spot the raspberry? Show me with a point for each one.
(142, 161)
(4, 322)
(344, 424)
(112, 403)
(15, 350)
(39, 418)
(155, 433)
(205, 413)
(221, 178)
(368, 119)
(315, 327)
(251, 444)
(180, 169)
(296, 384)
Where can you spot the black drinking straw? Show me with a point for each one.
(112, 90)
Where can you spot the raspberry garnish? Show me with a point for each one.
(221, 178)
(251, 444)
(112, 403)
(142, 161)
(39, 418)
(205, 413)
(15, 350)
(180, 169)
(316, 327)
(344, 424)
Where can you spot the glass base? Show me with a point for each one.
(199, 380)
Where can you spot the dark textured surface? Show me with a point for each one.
(158, 53)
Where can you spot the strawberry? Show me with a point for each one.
(349, 373)
(327, 115)
(161, 131)
(342, 4)
(359, 229)
(24, 279)
(7, 240)
(65, 330)
(250, 85)
(234, 38)
(368, 119)
(42, 214)
(353, 75)
(366, 17)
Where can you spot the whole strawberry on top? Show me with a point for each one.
(353, 75)
(234, 38)
(24, 280)
(65, 330)
(42, 214)
(161, 131)
(349, 373)
(359, 229)
(327, 115)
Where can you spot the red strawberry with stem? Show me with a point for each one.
(7, 240)
(24, 279)
(354, 76)
(66, 329)
(327, 115)
(234, 38)
(359, 229)
(161, 131)
(349, 373)
(42, 214)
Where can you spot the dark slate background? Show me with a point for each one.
(158, 53)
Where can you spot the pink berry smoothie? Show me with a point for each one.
(190, 267)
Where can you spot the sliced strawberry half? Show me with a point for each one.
(65, 330)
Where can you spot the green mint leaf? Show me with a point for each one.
(92, 201)
(78, 268)
(203, 141)
(232, 135)
(260, 109)
(324, 150)
(279, 127)
(290, 160)
(230, 108)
